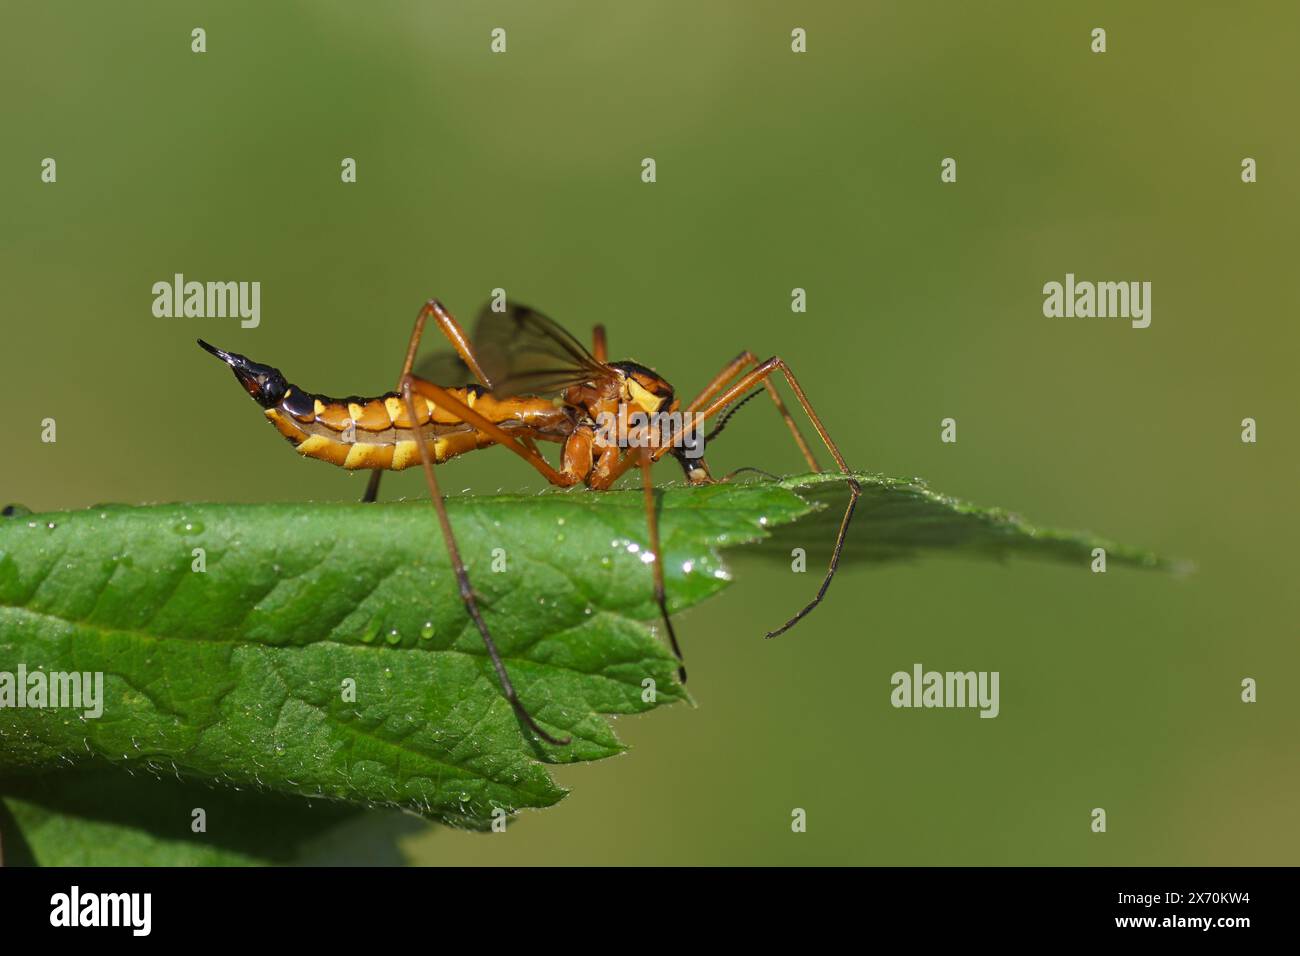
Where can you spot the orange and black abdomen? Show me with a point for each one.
(358, 432)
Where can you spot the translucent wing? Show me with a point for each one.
(524, 352)
(443, 368)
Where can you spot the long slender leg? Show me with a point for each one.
(758, 376)
(445, 400)
(734, 368)
(754, 377)
(719, 381)
(763, 373)
(652, 521)
(599, 347)
(462, 578)
(372, 487)
(459, 341)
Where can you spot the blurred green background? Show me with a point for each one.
(775, 170)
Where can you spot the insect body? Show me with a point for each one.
(378, 433)
(534, 382)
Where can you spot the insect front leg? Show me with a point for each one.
(729, 372)
(763, 374)
(760, 376)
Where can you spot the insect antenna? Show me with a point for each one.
(722, 422)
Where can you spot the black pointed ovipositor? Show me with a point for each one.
(265, 384)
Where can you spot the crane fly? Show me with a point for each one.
(533, 382)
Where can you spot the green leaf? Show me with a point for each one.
(234, 676)
(901, 518)
(104, 817)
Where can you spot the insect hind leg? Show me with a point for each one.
(466, 591)
(449, 327)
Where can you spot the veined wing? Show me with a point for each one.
(523, 351)
(444, 368)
